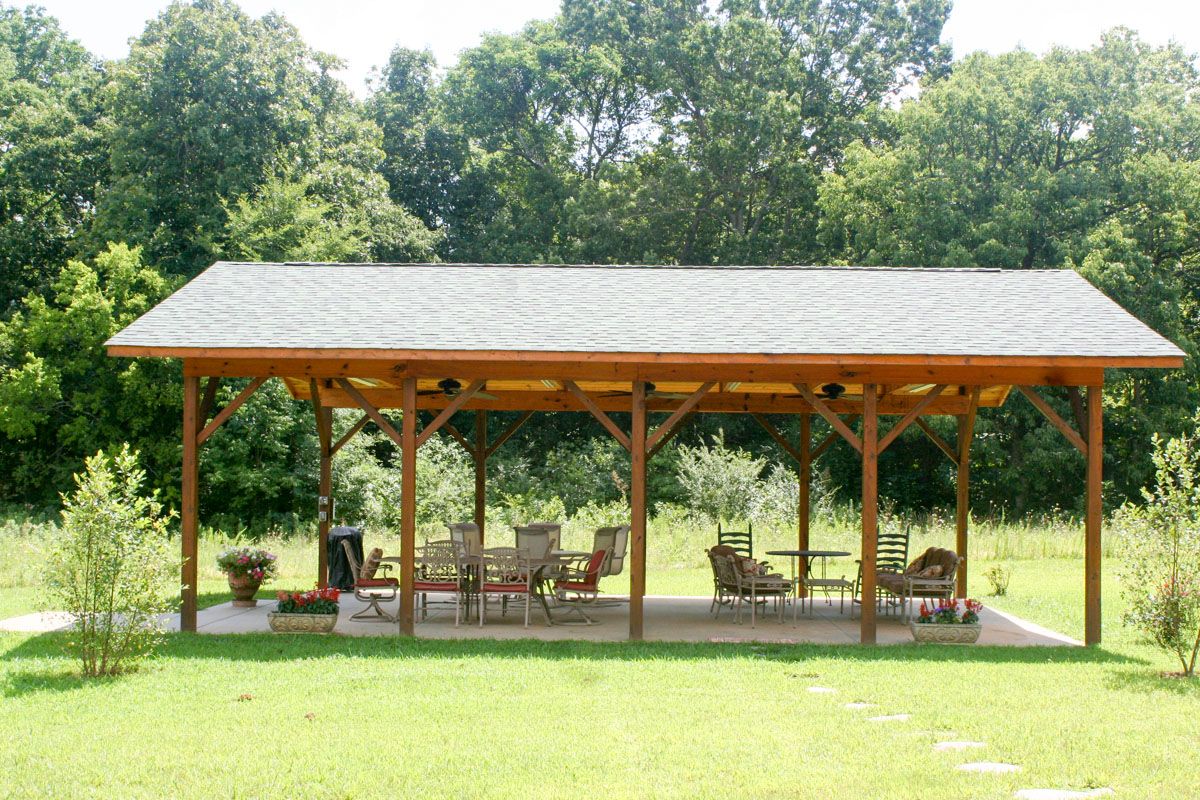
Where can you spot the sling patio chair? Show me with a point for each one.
(580, 587)
(369, 588)
(615, 540)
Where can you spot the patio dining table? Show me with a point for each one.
(804, 558)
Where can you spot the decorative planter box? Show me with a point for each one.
(955, 633)
(301, 623)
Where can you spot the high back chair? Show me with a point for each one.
(554, 529)
(370, 589)
(467, 536)
(741, 541)
(534, 541)
(505, 571)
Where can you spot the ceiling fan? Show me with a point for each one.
(832, 391)
(651, 391)
(452, 388)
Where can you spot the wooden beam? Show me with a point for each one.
(911, 416)
(324, 419)
(350, 434)
(962, 505)
(828, 441)
(408, 505)
(479, 454)
(834, 421)
(1049, 413)
(603, 418)
(779, 438)
(1095, 515)
(458, 437)
(448, 412)
(508, 432)
(373, 412)
(804, 511)
(684, 409)
(227, 412)
(189, 505)
(941, 443)
(653, 451)
(431, 365)
(870, 513)
(637, 503)
(206, 404)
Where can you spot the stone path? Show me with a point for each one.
(1061, 794)
(945, 747)
(988, 767)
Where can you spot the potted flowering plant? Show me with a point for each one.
(246, 568)
(315, 611)
(950, 621)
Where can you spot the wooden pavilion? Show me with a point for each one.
(843, 343)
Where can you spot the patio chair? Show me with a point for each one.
(536, 544)
(724, 584)
(741, 541)
(554, 529)
(439, 571)
(891, 556)
(504, 571)
(758, 588)
(580, 587)
(369, 588)
(466, 535)
(615, 540)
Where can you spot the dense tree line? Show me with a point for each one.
(756, 132)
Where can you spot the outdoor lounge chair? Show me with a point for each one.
(369, 587)
(580, 587)
(466, 535)
(615, 540)
(733, 580)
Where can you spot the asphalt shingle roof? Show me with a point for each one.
(646, 309)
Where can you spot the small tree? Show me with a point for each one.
(719, 483)
(111, 565)
(1162, 548)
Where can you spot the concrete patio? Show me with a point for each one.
(680, 619)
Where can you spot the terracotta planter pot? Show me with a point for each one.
(945, 634)
(244, 588)
(301, 623)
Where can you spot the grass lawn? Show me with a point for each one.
(277, 716)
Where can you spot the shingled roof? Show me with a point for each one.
(643, 309)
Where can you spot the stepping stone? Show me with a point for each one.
(1061, 794)
(889, 718)
(859, 706)
(988, 766)
(943, 747)
(821, 690)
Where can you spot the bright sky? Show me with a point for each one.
(362, 32)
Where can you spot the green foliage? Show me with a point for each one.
(111, 567)
(1161, 565)
(720, 484)
(63, 397)
(998, 578)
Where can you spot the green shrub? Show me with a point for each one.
(1161, 539)
(111, 566)
(998, 577)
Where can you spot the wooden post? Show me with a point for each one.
(637, 503)
(962, 515)
(189, 503)
(804, 512)
(408, 504)
(480, 471)
(870, 512)
(324, 489)
(1095, 512)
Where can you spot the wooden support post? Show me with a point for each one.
(962, 510)
(1094, 517)
(189, 503)
(637, 502)
(480, 453)
(408, 504)
(324, 417)
(805, 509)
(870, 512)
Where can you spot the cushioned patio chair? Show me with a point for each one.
(369, 587)
(615, 540)
(580, 587)
(504, 571)
(440, 570)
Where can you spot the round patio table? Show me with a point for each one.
(804, 557)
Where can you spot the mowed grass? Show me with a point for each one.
(290, 716)
(281, 716)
